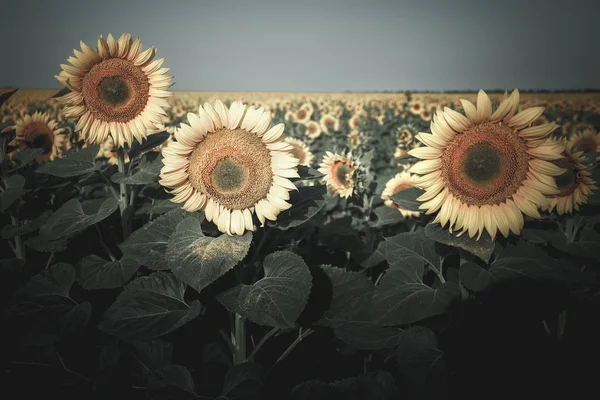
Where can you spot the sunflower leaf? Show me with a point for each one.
(73, 163)
(378, 385)
(418, 356)
(243, 381)
(482, 248)
(94, 272)
(306, 203)
(13, 187)
(10, 231)
(76, 319)
(149, 243)
(200, 260)
(6, 95)
(307, 173)
(151, 141)
(149, 307)
(150, 355)
(146, 173)
(158, 207)
(365, 334)
(173, 375)
(61, 93)
(39, 243)
(279, 298)
(54, 282)
(24, 157)
(407, 199)
(387, 216)
(522, 260)
(74, 217)
(586, 246)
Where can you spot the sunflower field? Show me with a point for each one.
(160, 244)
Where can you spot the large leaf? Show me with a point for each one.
(173, 375)
(407, 199)
(76, 319)
(199, 260)
(387, 216)
(148, 244)
(365, 334)
(243, 381)
(306, 202)
(61, 93)
(43, 245)
(522, 260)
(94, 272)
(13, 187)
(146, 173)
(152, 141)
(277, 299)
(24, 157)
(418, 356)
(73, 163)
(150, 355)
(149, 307)
(10, 231)
(482, 248)
(586, 246)
(402, 297)
(74, 217)
(54, 282)
(378, 385)
(158, 207)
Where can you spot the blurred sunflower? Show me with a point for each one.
(483, 170)
(354, 139)
(300, 151)
(116, 90)
(38, 131)
(329, 123)
(228, 163)
(586, 140)
(313, 129)
(338, 171)
(401, 181)
(574, 185)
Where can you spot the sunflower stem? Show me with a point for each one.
(123, 196)
(19, 249)
(238, 339)
(262, 342)
(301, 336)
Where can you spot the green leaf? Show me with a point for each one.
(159, 207)
(352, 293)
(407, 199)
(61, 93)
(152, 141)
(387, 216)
(418, 357)
(76, 319)
(522, 260)
(6, 95)
(74, 217)
(13, 187)
(307, 173)
(43, 245)
(365, 334)
(482, 248)
(24, 157)
(149, 307)
(306, 202)
(378, 385)
(73, 163)
(199, 260)
(10, 231)
(586, 246)
(148, 244)
(56, 281)
(149, 356)
(146, 173)
(278, 299)
(94, 272)
(173, 375)
(243, 381)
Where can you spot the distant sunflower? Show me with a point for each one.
(401, 181)
(116, 90)
(302, 116)
(574, 185)
(483, 170)
(586, 140)
(416, 107)
(38, 131)
(301, 151)
(313, 129)
(329, 123)
(354, 121)
(354, 139)
(231, 164)
(338, 171)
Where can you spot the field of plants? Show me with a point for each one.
(221, 245)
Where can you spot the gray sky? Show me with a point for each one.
(319, 45)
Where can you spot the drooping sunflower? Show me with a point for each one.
(338, 171)
(488, 168)
(116, 90)
(39, 131)
(230, 163)
(401, 181)
(301, 151)
(586, 140)
(575, 185)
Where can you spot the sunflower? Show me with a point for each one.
(313, 129)
(416, 107)
(38, 131)
(329, 123)
(301, 151)
(586, 140)
(302, 116)
(228, 163)
(483, 170)
(354, 139)
(401, 181)
(338, 171)
(116, 90)
(575, 184)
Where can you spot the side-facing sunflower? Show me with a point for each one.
(231, 164)
(401, 181)
(301, 151)
(338, 171)
(587, 140)
(575, 185)
(116, 90)
(488, 168)
(39, 131)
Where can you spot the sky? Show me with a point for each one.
(319, 45)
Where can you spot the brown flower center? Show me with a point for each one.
(301, 114)
(39, 136)
(233, 167)
(115, 90)
(485, 165)
(341, 173)
(586, 145)
(568, 181)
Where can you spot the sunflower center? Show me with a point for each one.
(485, 165)
(586, 145)
(39, 136)
(115, 90)
(342, 173)
(233, 167)
(568, 181)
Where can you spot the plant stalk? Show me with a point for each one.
(123, 196)
(238, 339)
